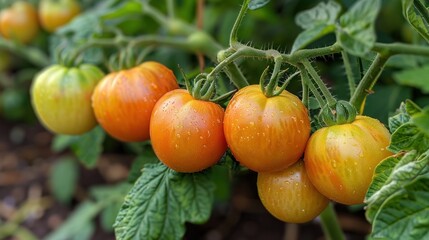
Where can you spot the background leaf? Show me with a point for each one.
(416, 18)
(255, 4)
(414, 78)
(356, 33)
(63, 178)
(322, 14)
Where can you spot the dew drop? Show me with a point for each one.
(201, 137)
(176, 146)
(178, 135)
(252, 123)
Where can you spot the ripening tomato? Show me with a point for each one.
(186, 133)
(340, 159)
(19, 22)
(266, 134)
(56, 13)
(123, 100)
(61, 97)
(289, 195)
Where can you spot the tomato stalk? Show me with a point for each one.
(233, 40)
(306, 81)
(315, 76)
(368, 81)
(349, 73)
(330, 224)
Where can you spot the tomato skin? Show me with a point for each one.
(340, 159)
(289, 195)
(19, 22)
(61, 97)
(55, 14)
(266, 134)
(186, 133)
(123, 100)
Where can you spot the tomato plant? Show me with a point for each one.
(123, 101)
(340, 159)
(289, 195)
(266, 134)
(54, 14)
(187, 133)
(19, 22)
(318, 77)
(61, 97)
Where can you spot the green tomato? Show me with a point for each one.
(61, 98)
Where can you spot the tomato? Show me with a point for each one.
(340, 159)
(266, 134)
(54, 14)
(123, 100)
(186, 133)
(19, 22)
(61, 97)
(289, 195)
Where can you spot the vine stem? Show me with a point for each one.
(32, 54)
(306, 81)
(330, 224)
(170, 8)
(368, 81)
(349, 72)
(233, 37)
(315, 76)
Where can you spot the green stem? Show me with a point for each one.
(34, 55)
(368, 81)
(272, 84)
(236, 76)
(349, 72)
(400, 48)
(330, 224)
(303, 54)
(306, 81)
(305, 93)
(170, 8)
(233, 37)
(315, 76)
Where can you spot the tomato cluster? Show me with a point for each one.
(21, 21)
(297, 173)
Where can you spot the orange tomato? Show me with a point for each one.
(289, 195)
(340, 159)
(266, 134)
(123, 100)
(186, 133)
(19, 22)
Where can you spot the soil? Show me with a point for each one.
(25, 162)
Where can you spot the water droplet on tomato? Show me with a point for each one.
(201, 137)
(176, 146)
(204, 146)
(218, 120)
(252, 123)
(178, 135)
(208, 133)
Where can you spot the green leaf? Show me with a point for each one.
(160, 203)
(414, 78)
(124, 10)
(144, 158)
(388, 182)
(401, 117)
(89, 147)
(421, 120)
(417, 16)
(322, 14)
(310, 35)
(405, 216)
(408, 137)
(63, 178)
(255, 4)
(62, 142)
(356, 33)
(412, 108)
(78, 220)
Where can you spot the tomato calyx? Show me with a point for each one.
(341, 113)
(272, 89)
(204, 88)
